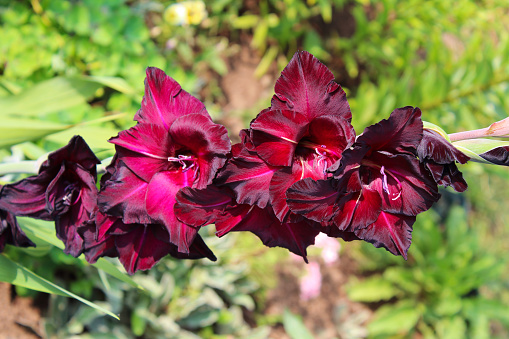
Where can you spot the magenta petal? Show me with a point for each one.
(249, 177)
(391, 231)
(165, 100)
(145, 149)
(206, 141)
(140, 249)
(160, 200)
(307, 86)
(198, 208)
(401, 133)
(357, 210)
(124, 196)
(314, 199)
(276, 134)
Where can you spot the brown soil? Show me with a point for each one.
(20, 318)
(329, 315)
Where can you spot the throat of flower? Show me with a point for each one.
(186, 161)
(385, 186)
(69, 193)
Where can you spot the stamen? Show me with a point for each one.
(385, 186)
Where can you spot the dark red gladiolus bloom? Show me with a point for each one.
(138, 246)
(378, 189)
(301, 135)
(440, 157)
(11, 233)
(174, 145)
(217, 205)
(64, 191)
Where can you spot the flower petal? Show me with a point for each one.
(145, 149)
(497, 156)
(165, 100)
(205, 140)
(401, 133)
(11, 233)
(123, 195)
(276, 134)
(160, 200)
(307, 86)
(391, 231)
(249, 177)
(434, 147)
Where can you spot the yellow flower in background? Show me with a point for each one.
(186, 13)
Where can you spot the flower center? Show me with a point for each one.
(392, 195)
(69, 191)
(186, 162)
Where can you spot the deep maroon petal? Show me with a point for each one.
(283, 179)
(276, 134)
(315, 200)
(93, 247)
(76, 151)
(332, 134)
(333, 231)
(11, 233)
(405, 186)
(27, 197)
(160, 200)
(401, 133)
(295, 237)
(391, 231)
(145, 149)
(124, 196)
(249, 177)
(198, 250)
(307, 86)
(206, 141)
(447, 175)
(165, 100)
(200, 207)
(140, 249)
(434, 147)
(497, 156)
(357, 210)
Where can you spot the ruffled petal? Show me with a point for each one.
(391, 231)
(248, 176)
(124, 196)
(307, 86)
(165, 100)
(401, 133)
(11, 233)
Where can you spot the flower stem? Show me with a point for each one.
(477, 133)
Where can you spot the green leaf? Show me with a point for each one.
(116, 83)
(16, 274)
(395, 319)
(14, 131)
(294, 326)
(372, 290)
(52, 95)
(438, 129)
(45, 231)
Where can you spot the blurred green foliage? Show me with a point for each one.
(77, 67)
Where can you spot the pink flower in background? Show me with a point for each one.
(311, 283)
(330, 248)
